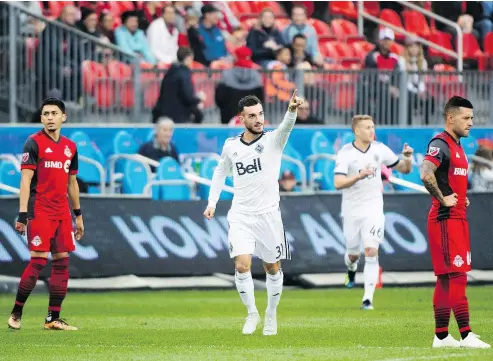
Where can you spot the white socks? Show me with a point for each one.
(244, 285)
(274, 291)
(371, 277)
(352, 266)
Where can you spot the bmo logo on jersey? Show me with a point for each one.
(58, 165)
(460, 171)
(249, 168)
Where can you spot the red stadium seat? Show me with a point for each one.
(55, 8)
(471, 50)
(397, 48)
(372, 7)
(415, 22)
(273, 5)
(488, 48)
(91, 73)
(362, 48)
(241, 9)
(345, 30)
(309, 6)
(151, 94)
(445, 85)
(341, 86)
(344, 8)
(248, 23)
(443, 39)
(282, 23)
(343, 53)
(119, 71)
(393, 18)
(321, 27)
(104, 92)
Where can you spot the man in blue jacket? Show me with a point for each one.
(131, 39)
(211, 36)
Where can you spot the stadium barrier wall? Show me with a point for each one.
(150, 238)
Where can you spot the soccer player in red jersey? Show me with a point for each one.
(49, 167)
(444, 174)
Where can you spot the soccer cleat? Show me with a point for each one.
(251, 322)
(59, 325)
(15, 321)
(448, 341)
(349, 279)
(367, 305)
(270, 326)
(472, 341)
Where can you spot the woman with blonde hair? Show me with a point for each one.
(414, 63)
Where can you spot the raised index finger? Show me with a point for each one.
(294, 95)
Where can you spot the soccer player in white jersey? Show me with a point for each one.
(255, 217)
(358, 174)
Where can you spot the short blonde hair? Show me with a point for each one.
(359, 118)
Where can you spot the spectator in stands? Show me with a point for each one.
(194, 39)
(227, 20)
(287, 182)
(150, 11)
(161, 146)
(177, 99)
(29, 25)
(105, 26)
(482, 171)
(382, 90)
(236, 39)
(181, 9)
(300, 25)
(131, 39)
(278, 83)
(242, 80)
(305, 117)
(58, 59)
(211, 35)
(162, 35)
(414, 63)
(88, 24)
(299, 54)
(264, 39)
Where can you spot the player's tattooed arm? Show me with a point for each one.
(427, 174)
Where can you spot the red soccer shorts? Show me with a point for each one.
(47, 235)
(450, 246)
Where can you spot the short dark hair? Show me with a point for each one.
(248, 101)
(53, 101)
(454, 103)
(299, 6)
(298, 36)
(281, 49)
(183, 53)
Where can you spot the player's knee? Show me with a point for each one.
(39, 254)
(62, 255)
(242, 267)
(353, 257)
(371, 252)
(272, 268)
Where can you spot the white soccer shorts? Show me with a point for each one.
(363, 232)
(259, 234)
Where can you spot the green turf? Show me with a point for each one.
(313, 325)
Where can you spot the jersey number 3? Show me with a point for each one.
(279, 250)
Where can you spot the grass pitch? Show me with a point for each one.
(206, 325)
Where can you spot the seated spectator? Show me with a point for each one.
(131, 39)
(88, 24)
(194, 39)
(382, 91)
(236, 39)
(279, 84)
(151, 10)
(177, 99)
(105, 26)
(299, 25)
(287, 182)
(482, 170)
(162, 35)
(414, 63)
(264, 39)
(227, 20)
(305, 117)
(161, 146)
(30, 26)
(211, 36)
(237, 83)
(299, 55)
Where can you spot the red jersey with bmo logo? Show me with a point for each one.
(52, 162)
(448, 230)
(448, 155)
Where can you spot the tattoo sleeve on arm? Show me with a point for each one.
(427, 173)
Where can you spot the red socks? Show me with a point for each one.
(458, 300)
(58, 287)
(441, 306)
(28, 282)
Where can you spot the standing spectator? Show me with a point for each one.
(299, 25)
(381, 89)
(264, 39)
(211, 35)
(105, 26)
(481, 170)
(177, 99)
(414, 63)
(195, 41)
(161, 146)
(162, 35)
(305, 117)
(58, 59)
(237, 83)
(131, 39)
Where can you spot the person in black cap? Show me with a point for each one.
(212, 37)
(131, 39)
(287, 182)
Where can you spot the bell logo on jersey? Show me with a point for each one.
(250, 168)
(460, 171)
(58, 165)
(433, 151)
